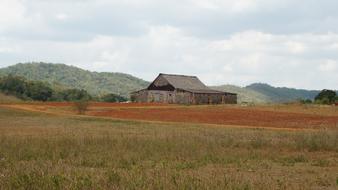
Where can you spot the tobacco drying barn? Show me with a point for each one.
(181, 89)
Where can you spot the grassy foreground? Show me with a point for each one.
(39, 151)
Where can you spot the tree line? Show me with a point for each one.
(326, 97)
(42, 91)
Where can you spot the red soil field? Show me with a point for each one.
(223, 116)
(103, 104)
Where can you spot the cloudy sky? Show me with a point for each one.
(290, 43)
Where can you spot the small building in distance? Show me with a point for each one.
(181, 89)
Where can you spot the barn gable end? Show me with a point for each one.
(161, 83)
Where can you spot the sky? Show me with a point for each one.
(291, 43)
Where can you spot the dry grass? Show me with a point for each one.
(39, 151)
(8, 99)
(316, 109)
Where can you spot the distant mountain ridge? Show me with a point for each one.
(243, 94)
(96, 83)
(282, 94)
(265, 93)
(64, 76)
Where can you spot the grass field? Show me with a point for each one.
(50, 147)
(8, 99)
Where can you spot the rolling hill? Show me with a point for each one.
(282, 94)
(64, 76)
(244, 94)
(264, 93)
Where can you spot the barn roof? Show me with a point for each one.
(184, 82)
(188, 83)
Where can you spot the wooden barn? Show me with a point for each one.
(181, 89)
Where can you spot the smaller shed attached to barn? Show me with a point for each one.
(181, 89)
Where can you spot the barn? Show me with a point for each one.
(181, 89)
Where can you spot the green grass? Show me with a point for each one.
(40, 151)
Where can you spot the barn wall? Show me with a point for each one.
(139, 96)
(160, 96)
(230, 99)
(202, 98)
(183, 97)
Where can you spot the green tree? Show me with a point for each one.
(305, 101)
(13, 85)
(326, 97)
(37, 90)
(113, 98)
(74, 95)
(81, 106)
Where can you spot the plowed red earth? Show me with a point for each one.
(224, 116)
(103, 104)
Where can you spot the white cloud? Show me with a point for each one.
(222, 41)
(62, 16)
(11, 13)
(241, 59)
(329, 66)
(295, 47)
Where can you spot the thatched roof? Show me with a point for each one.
(184, 82)
(188, 83)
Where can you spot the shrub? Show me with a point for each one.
(32, 90)
(73, 95)
(82, 106)
(305, 101)
(113, 98)
(38, 91)
(13, 85)
(326, 97)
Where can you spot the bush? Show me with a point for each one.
(23, 89)
(73, 95)
(326, 97)
(113, 98)
(81, 106)
(38, 91)
(13, 85)
(306, 101)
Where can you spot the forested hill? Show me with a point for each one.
(264, 93)
(244, 94)
(282, 94)
(64, 76)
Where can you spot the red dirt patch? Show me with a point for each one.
(221, 115)
(104, 104)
